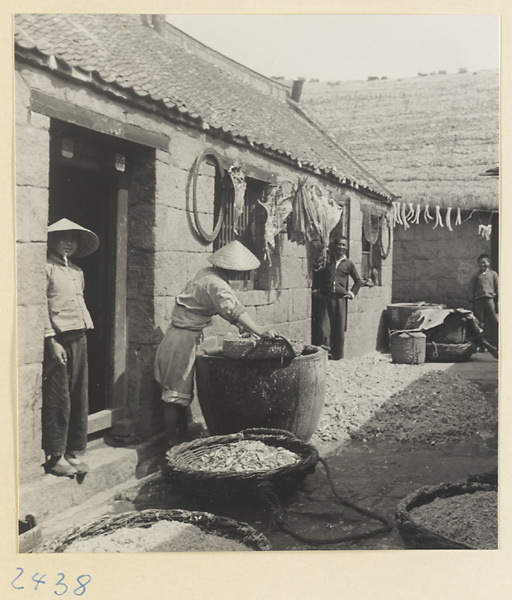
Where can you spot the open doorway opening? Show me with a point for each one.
(86, 174)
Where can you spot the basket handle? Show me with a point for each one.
(265, 431)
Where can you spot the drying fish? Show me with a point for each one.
(427, 216)
(278, 206)
(247, 455)
(416, 219)
(448, 223)
(458, 219)
(239, 184)
(404, 216)
(439, 219)
(396, 213)
(410, 212)
(485, 231)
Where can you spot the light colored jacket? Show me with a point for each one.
(65, 294)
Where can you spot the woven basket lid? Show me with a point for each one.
(88, 241)
(235, 257)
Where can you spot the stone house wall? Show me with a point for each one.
(435, 265)
(163, 252)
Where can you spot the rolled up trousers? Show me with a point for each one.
(65, 397)
(485, 312)
(329, 322)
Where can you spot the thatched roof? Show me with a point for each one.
(428, 139)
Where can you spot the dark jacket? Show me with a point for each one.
(332, 280)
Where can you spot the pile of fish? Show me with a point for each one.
(245, 456)
(163, 536)
(471, 519)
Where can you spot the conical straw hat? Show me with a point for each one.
(88, 241)
(235, 257)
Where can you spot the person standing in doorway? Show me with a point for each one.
(483, 294)
(331, 294)
(65, 367)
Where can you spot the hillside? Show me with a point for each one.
(427, 138)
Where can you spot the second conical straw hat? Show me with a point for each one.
(235, 257)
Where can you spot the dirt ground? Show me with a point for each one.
(385, 431)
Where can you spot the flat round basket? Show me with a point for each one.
(185, 466)
(418, 536)
(449, 352)
(207, 522)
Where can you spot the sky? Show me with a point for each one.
(350, 47)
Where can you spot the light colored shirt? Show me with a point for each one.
(65, 294)
(207, 294)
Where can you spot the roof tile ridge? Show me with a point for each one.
(305, 113)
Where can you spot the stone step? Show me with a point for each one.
(48, 496)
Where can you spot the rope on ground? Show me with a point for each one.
(271, 499)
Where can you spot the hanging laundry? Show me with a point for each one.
(416, 219)
(426, 215)
(458, 218)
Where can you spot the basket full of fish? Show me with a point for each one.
(246, 464)
(158, 531)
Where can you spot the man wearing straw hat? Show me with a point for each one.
(206, 295)
(65, 368)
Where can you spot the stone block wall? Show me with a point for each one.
(32, 140)
(435, 265)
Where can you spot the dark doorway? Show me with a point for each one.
(84, 189)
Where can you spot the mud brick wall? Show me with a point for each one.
(435, 265)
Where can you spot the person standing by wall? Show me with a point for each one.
(65, 367)
(483, 294)
(330, 297)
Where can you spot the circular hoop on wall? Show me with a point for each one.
(208, 236)
(385, 231)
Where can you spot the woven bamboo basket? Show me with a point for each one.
(449, 352)
(184, 467)
(417, 536)
(408, 347)
(207, 522)
(263, 348)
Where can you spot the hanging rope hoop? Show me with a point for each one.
(206, 235)
(385, 232)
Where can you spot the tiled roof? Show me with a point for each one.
(121, 51)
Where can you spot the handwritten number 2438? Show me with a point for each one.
(60, 587)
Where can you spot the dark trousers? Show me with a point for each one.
(65, 397)
(485, 311)
(329, 315)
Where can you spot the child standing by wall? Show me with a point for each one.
(483, 294)
(65, 368)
